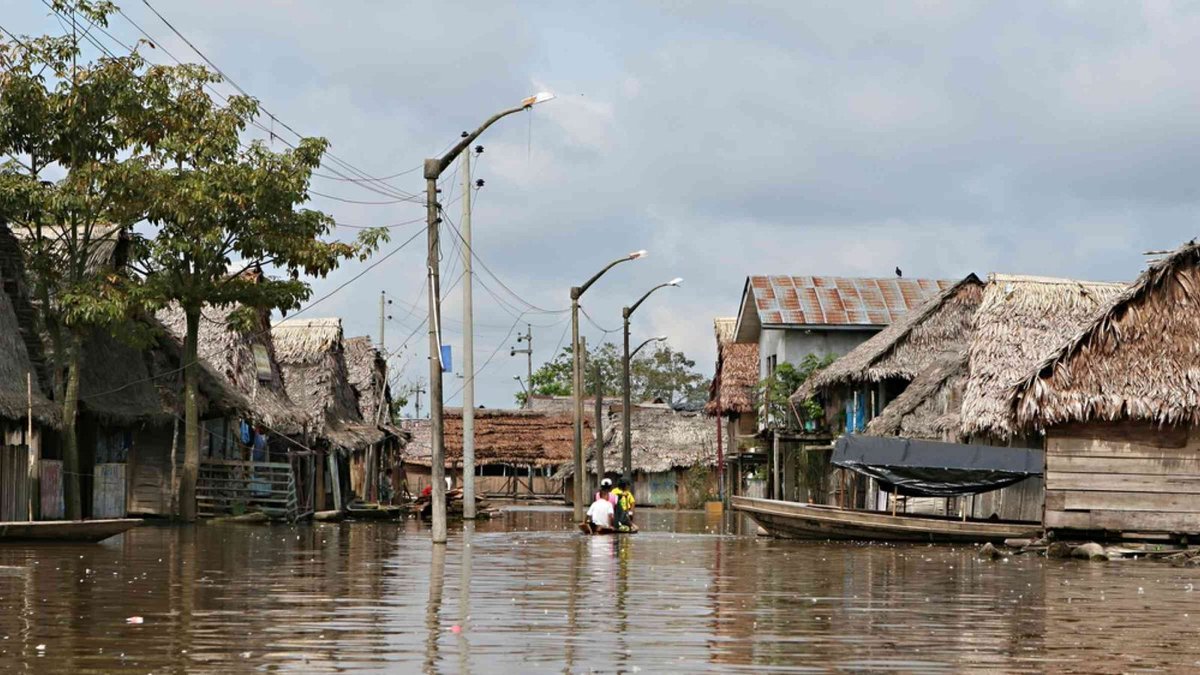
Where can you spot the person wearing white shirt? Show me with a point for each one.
(600, 513)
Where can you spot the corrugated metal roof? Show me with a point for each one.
(839, 301)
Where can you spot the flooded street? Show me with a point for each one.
(523, 593)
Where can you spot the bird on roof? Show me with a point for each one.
(899, 273)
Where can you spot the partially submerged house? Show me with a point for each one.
(367, 371)
(24, 406)
(131, 427)
(1119, 403)
(516, 451)
(731, 400)
(673, 455)
(312, 355)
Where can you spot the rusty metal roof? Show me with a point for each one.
(839, 301)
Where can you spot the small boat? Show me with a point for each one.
(373, 511)
(65, 530)
(588, 528)
(792, 520)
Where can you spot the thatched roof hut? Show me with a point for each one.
(1020, 322)
(1135, 359)
(123, 385)
(15, 367)
(247, 361)
(911, 345)
(367, 370)
(931, 404)
(731, 391)
(662, 439)
(514, 437)
(312, 356)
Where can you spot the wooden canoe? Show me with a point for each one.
(587, 528)
(373, 511)
(66, 530)
(792, 520)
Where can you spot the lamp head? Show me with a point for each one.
(637, 254)
(540, 97)
(675, 282)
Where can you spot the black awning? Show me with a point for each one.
(921, 468)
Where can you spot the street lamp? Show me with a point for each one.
(577, 377)
(627, 433)
(633, 353)
(433, 170)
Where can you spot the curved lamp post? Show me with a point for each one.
(626, 452)
(433, 170)
(577, 378)
(633, 353)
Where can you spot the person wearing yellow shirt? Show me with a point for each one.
(624, 506)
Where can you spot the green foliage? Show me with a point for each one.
(664, 374)
(774, 391)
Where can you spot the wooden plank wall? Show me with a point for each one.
(14, 483)
(51, 485)
(108, 492)
(149, 470)
(1123, 478)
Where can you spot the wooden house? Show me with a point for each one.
(131, 427)
(1119, 403)
(367, 371)
(516, 451)
(22, 401)
(312, 354)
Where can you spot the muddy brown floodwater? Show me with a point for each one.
(525, 594)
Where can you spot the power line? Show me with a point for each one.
(364, 176)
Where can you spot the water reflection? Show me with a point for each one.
(524, 593)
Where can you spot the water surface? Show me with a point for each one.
(524, 593)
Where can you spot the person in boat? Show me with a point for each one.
(623, 507)
(607, 485)
(600, 513)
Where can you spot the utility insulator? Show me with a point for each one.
(479, 149)
(479, 182)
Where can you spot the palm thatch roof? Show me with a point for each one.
(1135, 359)
(514, 437)
(231, 352)
(15, 368)
(662, 439)
(107, 243)
(1020, 322)
(312, 356)
(367, 370)
(911, 345)
(124, 385)
(733, 385)
(931, 404)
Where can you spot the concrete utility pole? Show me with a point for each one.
(577, 377)
(468, 402)
(627, 431)
(527, 338)
(433, 170)
(382, 311)
(599, 426)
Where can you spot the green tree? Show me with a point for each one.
(74, 181)
(774, 392)
(664, 374)
(221, 212)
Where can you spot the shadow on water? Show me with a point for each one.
(526, 593)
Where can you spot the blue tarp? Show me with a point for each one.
(920, 468)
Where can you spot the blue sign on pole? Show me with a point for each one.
(446, 365)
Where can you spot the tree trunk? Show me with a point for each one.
(72, 499)
(191, 421)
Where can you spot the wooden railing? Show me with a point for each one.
(231, 487)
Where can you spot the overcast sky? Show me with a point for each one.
(786, 137)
